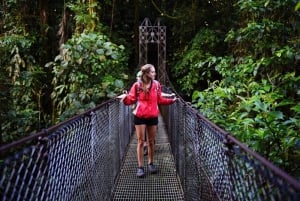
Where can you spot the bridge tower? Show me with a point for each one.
(153, 34)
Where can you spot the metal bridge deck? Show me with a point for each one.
(165, 185)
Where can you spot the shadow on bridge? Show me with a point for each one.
(91, 157)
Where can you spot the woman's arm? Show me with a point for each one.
(131, 97)
(161, 96)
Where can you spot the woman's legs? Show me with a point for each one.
(142, 126)
(151, 132)
(145, 144)
(140, 133)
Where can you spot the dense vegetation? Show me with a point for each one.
(236, 60)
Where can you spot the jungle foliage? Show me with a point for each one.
(37, 92)
(237, 61)
(256, 96)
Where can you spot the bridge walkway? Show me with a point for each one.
(165, 185)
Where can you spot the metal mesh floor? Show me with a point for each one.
(164, 185)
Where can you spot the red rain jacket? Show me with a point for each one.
(146, 103)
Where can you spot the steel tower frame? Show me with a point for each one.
(156, 34)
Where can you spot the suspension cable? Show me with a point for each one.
(164, 14)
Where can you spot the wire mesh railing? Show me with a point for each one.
(76, 160)
(213, 165)
(80, 159)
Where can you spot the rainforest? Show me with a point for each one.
(236, 61)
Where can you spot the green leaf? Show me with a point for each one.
(297, 7)
(261, 106)
(49, 64)
(119, 83)
(276, 115)
(296, 108)
(100, 51)
(285, 102)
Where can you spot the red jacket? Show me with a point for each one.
(146, 103)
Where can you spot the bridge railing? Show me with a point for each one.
(76, 160)
(213, 165)
(80, 159)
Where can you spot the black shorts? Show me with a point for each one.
(148, 122)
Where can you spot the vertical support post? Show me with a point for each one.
(161, 45)
(93, 133)
(153, 34)
(114, 140)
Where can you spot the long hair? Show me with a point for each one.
(145, 78)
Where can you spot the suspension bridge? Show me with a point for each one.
(92, 157)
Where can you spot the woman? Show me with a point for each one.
(138, 79)
(147, 95)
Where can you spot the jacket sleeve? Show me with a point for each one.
(131, 97)
(162, 100)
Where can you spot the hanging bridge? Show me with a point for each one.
(92, 157)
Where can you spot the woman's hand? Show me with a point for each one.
(122, 96)
(167, 95)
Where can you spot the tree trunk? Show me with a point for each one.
(63, 29)
(136, 30)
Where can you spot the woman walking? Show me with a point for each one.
(146, 94)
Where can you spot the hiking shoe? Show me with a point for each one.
(152, 169)
(140, 172)
(145, 150)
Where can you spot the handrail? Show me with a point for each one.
(231, 139)
(44, 132)
(84, 153)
